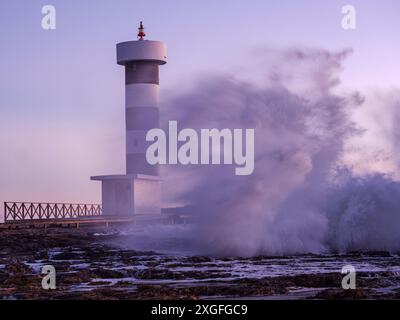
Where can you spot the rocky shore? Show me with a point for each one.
(88, 266)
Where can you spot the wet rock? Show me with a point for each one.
(106, 273)
(17, 267)
(335, 294)
(154, 273)
(74, 278)
(198, 259)
(318, 281)
(42, 255)
(67, 255)
(99, 260)
(99, 283)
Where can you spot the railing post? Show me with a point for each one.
(14, 212)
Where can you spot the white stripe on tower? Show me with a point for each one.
(141, 95)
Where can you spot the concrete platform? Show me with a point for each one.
(74, 223)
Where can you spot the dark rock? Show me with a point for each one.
(106, 274)
(16, 267)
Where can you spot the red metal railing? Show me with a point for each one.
(25, 211)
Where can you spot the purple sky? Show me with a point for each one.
(62, 103)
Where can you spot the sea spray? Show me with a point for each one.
(292, 203)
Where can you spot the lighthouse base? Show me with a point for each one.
(127, 195)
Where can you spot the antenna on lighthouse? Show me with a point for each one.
(141, 33)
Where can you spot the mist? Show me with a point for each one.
(303, 197)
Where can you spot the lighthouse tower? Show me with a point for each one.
(138, 191)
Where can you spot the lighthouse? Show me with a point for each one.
(138, 191)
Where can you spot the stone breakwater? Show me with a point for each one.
(88, 266)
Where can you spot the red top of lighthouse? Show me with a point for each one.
(141, 33)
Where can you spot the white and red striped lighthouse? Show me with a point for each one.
(137, 192)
